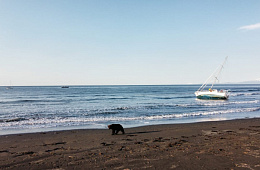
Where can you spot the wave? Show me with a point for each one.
(123, 108)
(72, 96)
(160, 106)
(228, 103)
(184, 97)
(118, 98)
(200, 113)
(164, 97)
(243, 90)
(77, 121)
(32, 101)
(65, 100)
(254, 90)
(237, 94)
(12, 120)
(244, 94)
(245, 102)
(104, 99)
(100, 95)
(16, 101)
(251, 94)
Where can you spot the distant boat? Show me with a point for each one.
(9, 87)
(64, 86)
(212, 93)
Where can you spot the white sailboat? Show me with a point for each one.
(212, 93)
(9, 87)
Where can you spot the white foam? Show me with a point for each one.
(245, 94)
(77, 121)
(245, 102)
(227, 103)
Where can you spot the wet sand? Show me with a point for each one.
(231, 144)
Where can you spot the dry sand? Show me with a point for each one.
(231, 144)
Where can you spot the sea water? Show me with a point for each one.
(37, 109)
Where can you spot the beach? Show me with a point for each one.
(231, 144)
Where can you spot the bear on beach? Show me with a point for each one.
(116, 128)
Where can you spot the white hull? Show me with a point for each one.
(212, 94)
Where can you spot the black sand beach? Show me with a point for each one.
(233, 144)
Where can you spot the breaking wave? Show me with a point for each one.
(79, 121)
(244, 94)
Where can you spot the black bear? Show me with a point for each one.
(116, 128)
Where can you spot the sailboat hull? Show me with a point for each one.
(212, 95)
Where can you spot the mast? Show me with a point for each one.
(213, 74)
(221, 68)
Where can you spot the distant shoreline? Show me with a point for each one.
(241, 83)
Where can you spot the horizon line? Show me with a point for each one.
(125, 84)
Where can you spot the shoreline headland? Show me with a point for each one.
(231, 144)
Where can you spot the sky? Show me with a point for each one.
(127, 42)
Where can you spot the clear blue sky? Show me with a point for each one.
(99, 42)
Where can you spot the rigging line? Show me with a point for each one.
(218, 68)
(221, 68)
(206, 82)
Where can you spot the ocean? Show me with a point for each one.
(48, 108)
